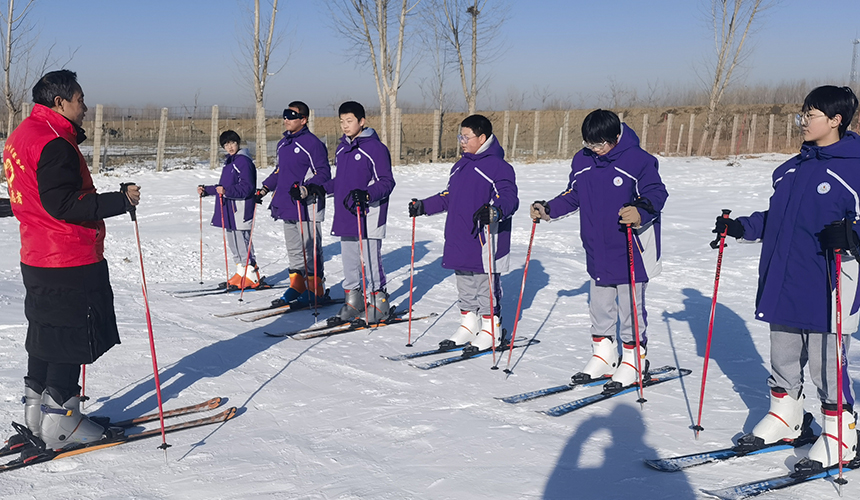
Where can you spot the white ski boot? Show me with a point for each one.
(33, 405)
(603, 362)
(491, 333)
(64, 425)
(784, 421)
(627, 373)
(470, 325)
(824, 452)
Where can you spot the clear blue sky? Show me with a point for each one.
(136, 53)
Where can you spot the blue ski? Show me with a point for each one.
(456, 359)
(670, 374)
(528, 396)
(421, 354)
(775, 483)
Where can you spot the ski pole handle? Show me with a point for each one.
(123, 188)
(716, 243)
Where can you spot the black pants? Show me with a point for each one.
(62, 377)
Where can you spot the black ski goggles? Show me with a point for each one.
(291, 114)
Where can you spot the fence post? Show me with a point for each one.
(213, 138)
(621, 117)
(560, 132)
(162, 138)
(680, 135)
(537, 136)
(770, 135)
(398, 136)
(505, 130)
(514, 147)
(645, 132)
(437, 134)
(26, 108)
(311, 116)
(788, 132)
(716, 142)
(565, 141)
(751, 138)
(97, 139)
(690, 135)
(667, 141)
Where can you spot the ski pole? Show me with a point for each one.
(84, 397)
(316, 275)
(411, 274)
(224, 234)
(838, 258)
(361, 261)
(304, 252)
(201, 240)
(522, 290)
(635, 313)
(133, 212)
(720, 242)
(490, 258)
(248, 257)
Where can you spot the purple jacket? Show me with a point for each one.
(363, 163)
(239, 179)
(599, 186)
(475, 180)
(302, 158)
(813, 189)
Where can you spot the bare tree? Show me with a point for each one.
(435, 43)
(470, 22)
(378, 29)
(731, 21)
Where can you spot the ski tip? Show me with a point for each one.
(230, 413)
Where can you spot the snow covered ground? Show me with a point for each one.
(330, 419)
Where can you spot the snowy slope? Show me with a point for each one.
(330, 419)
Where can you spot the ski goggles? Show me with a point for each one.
(291, 114)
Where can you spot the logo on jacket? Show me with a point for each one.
(357, 156)
(618, 181)
(823, 188)
(297, 150)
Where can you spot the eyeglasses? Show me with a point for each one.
(594, 145)
(465, 138)
(291, 114)
(803, 119)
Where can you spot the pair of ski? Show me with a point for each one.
(335, 326)
(276, 309)
(652, 378)
(222, 288)
(50, 455)
(752, 488)
(465, 355)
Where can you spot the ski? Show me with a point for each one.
(754, 488)
(176, 412)
(528, 396)
(686, 461)
(463, 357)
(670, 373)
(421, 354)
(288, 309)
(232, 289)
(352, 327)
(56, 455)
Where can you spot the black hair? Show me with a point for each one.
(229, 136)
(832, 101)
(351, 107)
(63, 83)
(601, 125)
(479, 124)
(303, 108)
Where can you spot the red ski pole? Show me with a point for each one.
(490, 259)
(248, 257)
(224, 234)
(838, 258)
(522, 290)
(411, 274)
(635, 313)
(133, 212)
(721, 242)
(84, 397)
(361, 261)
(201, 240)
(316, 275)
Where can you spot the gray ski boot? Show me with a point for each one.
(33, 405)
(63, 425)
(353, 306)
(378, 308)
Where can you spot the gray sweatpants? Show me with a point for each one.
(238, 242)
(293, 239)
(374, 273)
(609, 303)
(474, 292)
(792, 348)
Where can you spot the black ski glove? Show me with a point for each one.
(416, 208)
(839, 236)
(315, 190)
(258, 196)
(296, 192)
(485, 216)
(202, 190)
(732, 227)
(357, 200)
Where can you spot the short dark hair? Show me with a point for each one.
(351, 107)
(302, 107)
(601, 125)
(229, 136)
(479, 124)
(63, 83)
(832, 100)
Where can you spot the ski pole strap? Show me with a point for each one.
(57, 411)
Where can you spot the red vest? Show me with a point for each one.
(46, 241)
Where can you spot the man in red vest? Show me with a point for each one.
(69, 301)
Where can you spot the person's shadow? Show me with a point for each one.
(536, 280)
(732, 349)
(596, 466)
